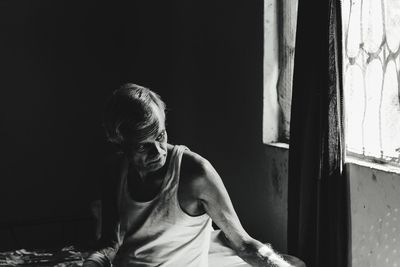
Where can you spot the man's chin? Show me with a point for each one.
(154, 166)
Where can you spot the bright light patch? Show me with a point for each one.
(371, 62)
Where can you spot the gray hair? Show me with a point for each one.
(129, 113)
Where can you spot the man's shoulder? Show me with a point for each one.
(194, 163)
(195, 169)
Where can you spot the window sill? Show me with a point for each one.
(278, 145)
(351, 160)
(377, 166)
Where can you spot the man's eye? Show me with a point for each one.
(161, 136)
(140, 148)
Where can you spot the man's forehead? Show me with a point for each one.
(151, 130)
(148, 135)
(148, 132)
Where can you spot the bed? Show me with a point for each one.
(220, 255)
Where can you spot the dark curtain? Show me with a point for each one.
(319, 206)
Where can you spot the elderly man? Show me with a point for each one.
(166, 196)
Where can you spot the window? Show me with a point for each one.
(371, 64)
(280, 18)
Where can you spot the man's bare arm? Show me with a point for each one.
(109, 242)
(210, 190)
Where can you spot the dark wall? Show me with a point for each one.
(59, 61)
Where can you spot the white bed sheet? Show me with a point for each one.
(221, 255)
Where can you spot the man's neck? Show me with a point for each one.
(152, 176)
(143, 175)
(147, 176)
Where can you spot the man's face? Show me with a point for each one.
(149, 153)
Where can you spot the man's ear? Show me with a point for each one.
(117, 148)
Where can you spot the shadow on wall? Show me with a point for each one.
(276, 187)
(60, 60)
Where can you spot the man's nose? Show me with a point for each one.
(156, 149)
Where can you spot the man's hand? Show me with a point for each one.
(266, 252)
(97, 259)
(257, 254)
(90, 264)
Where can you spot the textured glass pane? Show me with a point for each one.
(372, 23)
(392, 20)
(372, 48)
(354, 30)
(398, 62)
(373, 85)
(390, 112)
(354, 107)
(345, 14)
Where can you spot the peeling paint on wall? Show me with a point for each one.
(375, 206)
(276, 178)
(276, 183)
(374, 178)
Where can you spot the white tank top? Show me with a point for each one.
(159, 232)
